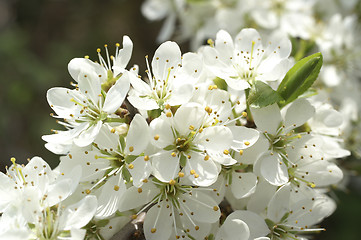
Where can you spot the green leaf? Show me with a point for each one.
(130, 158)
(300, 78)
(262, 95)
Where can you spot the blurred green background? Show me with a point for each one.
(37, 40)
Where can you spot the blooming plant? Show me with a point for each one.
(228, 142)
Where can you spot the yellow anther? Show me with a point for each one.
(140, 190)
(112, 131)
(134, 216)
(174, 154)
(196, 175)
(172, 182)
(180, 174)
(153, 230)
(313, 185)
(145, 180)
(168, 114)
(246, 143)
(116, 187)
(167, 106)
(206, 157)
(241, 152)
(130, 166)
(200, 130)
(193, 172)
(215, 208)
(117, 45)
(299, 136)
(210, 42)
(13, 160)
(87, 191)
(146, 158)
(156, 137)
(86, 57)
(226, 152)
(208, 109)
(98, 50)
(244, 114)
(191, 127)
(196, 228)
(193, 132)
(131, 149)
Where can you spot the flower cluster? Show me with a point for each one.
(327, 26)
(230, 124)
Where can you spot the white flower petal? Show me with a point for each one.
(79, 214)
(165, 166)
(87, 136)
(181, 93)
(78, 65)
(224, 44)
(206, 171)
(298, 113)
(187, 115)
(138, 136)
(273, 169)
(158, 222)
(90, 86)
(259, 200)
(217, 138)
(267, 118)
(243, 184)
(142, 169)
(204, 208)
(279, 204)
(256, 224)
(234, 229)
(122, 57)
(167, 55)
(143, 103)
(110, 195)
(134, 198)
(244, 39)
(161, 133)
(59, 100)
(116, 94)
(243, 137)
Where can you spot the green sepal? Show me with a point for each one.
(285, 217)
(183, 160)
(239, 167)
(221, 84)
(130, 158)
(122, 142)
(155, 113)
(210, 237)
(102, 223)
(126, 174)
(31, 225)
(169, 147)
(300, 78)
(261, 95)
(269, 223)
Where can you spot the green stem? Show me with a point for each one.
(249, 114)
